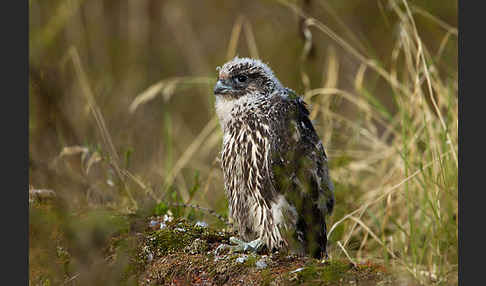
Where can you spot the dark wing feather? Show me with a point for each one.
(301, 175)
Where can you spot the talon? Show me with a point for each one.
(235, 240)
(242, 246)
(256, 245)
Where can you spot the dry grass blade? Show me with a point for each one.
(364, 226)
(72, 150)
(186, 38)
(71, 279)
(46, 36)
(346, 253)
(358, 80)
(40, 193)
(250, 39)
(93, 159)
(442, 46)
(235, 36)
(105, 135)
(167, 88)
(206, 210)
(441, 23)
(149, 94)
(187, 155)
(349, 32)
(242, 23)
(141, 184)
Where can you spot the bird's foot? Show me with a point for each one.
(253, 246)
(241, 246)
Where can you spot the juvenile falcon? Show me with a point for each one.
(275, 169)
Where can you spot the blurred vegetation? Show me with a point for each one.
(122, 123)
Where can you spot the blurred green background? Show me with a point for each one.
(92, 60)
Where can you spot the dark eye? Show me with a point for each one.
(241, 78)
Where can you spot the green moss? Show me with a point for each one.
(251, 260)
(167, 240)
(178, 235)
(334, 270)
(329, 272)
(266, 276)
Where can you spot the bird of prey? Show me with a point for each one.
(275, 169)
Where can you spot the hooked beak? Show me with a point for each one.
(221, 88)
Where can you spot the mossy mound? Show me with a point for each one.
(179, 235)
(181, 253)
(133, 250)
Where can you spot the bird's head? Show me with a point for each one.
(244, 76)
